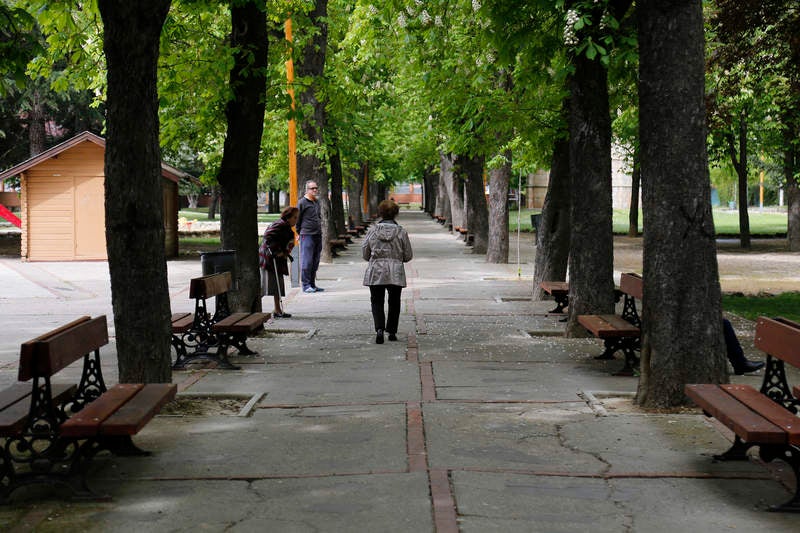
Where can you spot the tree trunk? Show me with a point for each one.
(681, 319)
(337, 203)
(36, 119)
(455, 190)
(238, 173)
(469, 171)
(430, 190)
(553, 237)
(499, 178)
(309, 165)
(213, 203)
(636, 180)
(442, 194)
(791, 157)
(591, 258)
(354, 187)
(740, 165)
(134, 203)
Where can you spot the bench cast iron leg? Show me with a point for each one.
(631, 361)
(561, 303)
(612, 345)
(737, 452)
(791, 455)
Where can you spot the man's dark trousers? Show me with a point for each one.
(310, 249)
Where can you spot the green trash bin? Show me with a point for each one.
(536, 221)
(221, 261)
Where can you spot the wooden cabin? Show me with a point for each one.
(62, 202)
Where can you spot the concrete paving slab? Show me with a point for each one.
(319, 383)
(525, 381)
(287, 442)
(507, 437)
(511, 503)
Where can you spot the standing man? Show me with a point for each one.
(310, 230)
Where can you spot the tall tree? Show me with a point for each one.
(134, 219)
(591, 259)
(499, 179)
(312, 160)
(238, 174)
(681, 317)
(553, 235)
(761, 38)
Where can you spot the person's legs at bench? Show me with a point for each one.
(741, 365)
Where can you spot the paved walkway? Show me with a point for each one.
(479, 419)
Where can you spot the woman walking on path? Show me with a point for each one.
(276, 247)
(386, 247)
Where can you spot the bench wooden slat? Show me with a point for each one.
(50, 353)
(632, 284)
(779, 338)
(241, 322)
(182, 322)
(554, 287)
(86, 422)
(13, 394)
(605, 326)
(748, 425)
(139, 410)
(765, 407)
(208, 286)
(15, 414)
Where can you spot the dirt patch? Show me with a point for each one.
(203, 406)
(625, 405)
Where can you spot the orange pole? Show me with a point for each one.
(292, 125)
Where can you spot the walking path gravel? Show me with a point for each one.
(480, 418)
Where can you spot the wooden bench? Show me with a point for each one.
(620, 332)
(203, 337)
(766, 418)
(559, 290)
(51, 432)
(346, 238)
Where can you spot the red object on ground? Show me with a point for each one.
(11, 217)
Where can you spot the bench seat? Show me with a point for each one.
(559, 290)
(15, 405)
(51, 432)
(608, 326)
(620, 332)
(124, 409)
(203, 337)
(765, 418)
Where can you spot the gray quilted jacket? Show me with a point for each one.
(386, 247)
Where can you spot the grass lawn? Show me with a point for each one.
(201, 213)
(786, 304)
(726, 221)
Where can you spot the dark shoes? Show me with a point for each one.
(281, 315)
(749, 366)
(379, 337)
(392, 337)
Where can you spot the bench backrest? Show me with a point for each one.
(779, 338)
(47, 354)
(208, 286)
(631, 284)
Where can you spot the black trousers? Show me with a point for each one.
(376, 297)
